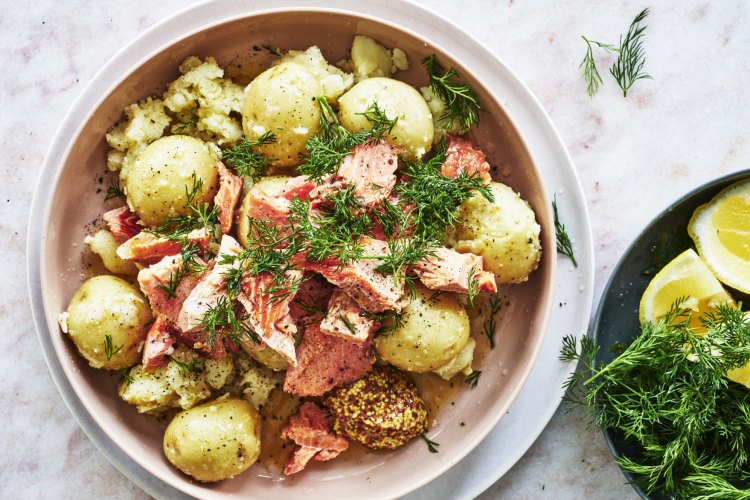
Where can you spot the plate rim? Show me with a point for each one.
(59, 147)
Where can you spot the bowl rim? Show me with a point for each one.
(76, 115)
(714, 184)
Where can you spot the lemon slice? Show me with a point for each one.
(685, 276)
(721, 231)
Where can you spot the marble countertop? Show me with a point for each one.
(634, 156)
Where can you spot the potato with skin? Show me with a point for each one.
(433, 331)
(103, 244)
(413, 131)
(158, 181)
(215, 440)
(281, 100)
(106, 320)
(504, 232)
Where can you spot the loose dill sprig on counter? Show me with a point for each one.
(114, 191)
(333, 142)
(472, 379)
(246, 160)
(431, 445)
(562, 238)
(462, 104)
(667, 395)
(588, 65)
(490, 324)
(628, 68)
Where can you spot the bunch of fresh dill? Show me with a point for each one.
(668, 394)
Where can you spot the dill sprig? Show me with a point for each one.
(202, 215)
(667, 394)
(126, 377)
(333, 142)
(347, 322)
(462, 104)
(472, 379)
(194, 366)
(490, 324)
(588, 65)
(628, 68)
(189, 265)
(390, 321)
(114, 191)
(245, 160)
(431, 445)
(186, 126)
(434, 202)
(564, 245)
(222, 320)
(109, 349)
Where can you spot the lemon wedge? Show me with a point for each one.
(721, 232)
(686, 276)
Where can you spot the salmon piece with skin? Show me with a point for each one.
(209, 289)
(325, 362)
(374, 291)
(230, 191)
(346, 319)
(159, 343)
(275, 207)
(451, 271)
(464, 156)
(198, 340)
(369, 169)
(146, 248)
(154, 279)
(310, 429)
(269, 315)
(122, 223)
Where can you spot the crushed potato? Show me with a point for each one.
(200, 103)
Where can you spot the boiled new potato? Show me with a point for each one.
(103, 244)
(214, 441)
(271, 185)
(433, 331)
(158, 181)
(106, 320)
(281, 100)
(413, 131)
(504, 232)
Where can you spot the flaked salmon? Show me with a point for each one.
(310, 303)
(230, 190)
(373, 290)
(369, 169)
(325, 362)
(122, 223)
(156, 284)
(147, 248)
(347, 319)
(275, 207)
(310, 429)
(464, 156)
(451, 271)
(209, 289)
(268, 312)
(159, 343)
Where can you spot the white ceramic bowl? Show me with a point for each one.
(70, 203)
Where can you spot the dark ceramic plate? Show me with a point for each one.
(617, 317)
